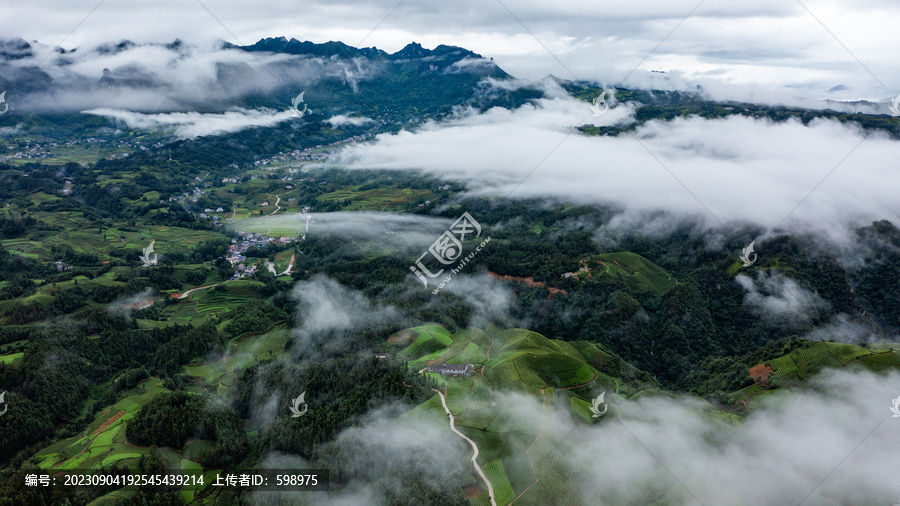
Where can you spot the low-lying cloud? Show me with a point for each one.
(328, 312)
(779, 300)
(342, 119)
(836, 443)
(822, 176)
(389, 230)
(188, 125)
(125, 306)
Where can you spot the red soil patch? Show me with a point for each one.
(530, 282)
(403, 337)
(760, 374)
(109, 422)
(471, 492)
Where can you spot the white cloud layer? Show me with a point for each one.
(767, 50)
(779, 299)
(188, 125)
(341, 120)
(837, 443)
(821, 176)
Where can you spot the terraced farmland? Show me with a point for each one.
(515, 362)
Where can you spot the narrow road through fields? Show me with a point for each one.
(185, 294)
(290, 265)
(474, 447)
(278, 200)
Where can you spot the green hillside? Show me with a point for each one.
(525, 457)
(521, 456)
(637, 272)
(800, 366)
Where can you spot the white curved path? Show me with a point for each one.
(185, 294)
(474, 447)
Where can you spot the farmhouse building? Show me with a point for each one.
(453, 369)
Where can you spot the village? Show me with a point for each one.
(306, 154)
(237, 251)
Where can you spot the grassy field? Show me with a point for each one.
(525, 456)
(242, 352)
(509, 363)
(801, 366)
(12, 358)
(638, 272)
(377, 199)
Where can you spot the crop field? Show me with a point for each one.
(241, 353)
(518, 471)
(503, 374)
(561, 370)
(377, 199)
(103, 442)
(430, 412)
(199, 305)
(82, 236)
(479, 418)
(430, 339)
(803, 364)
(503, 490)
(515, 451)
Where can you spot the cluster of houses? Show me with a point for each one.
(33, 151)
(295, 155)
(236, 252)
(307, 154)
(452, 369)
(572, 274)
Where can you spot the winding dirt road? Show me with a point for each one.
(290, 265)
(185, 294)
(474, 447)
(278, 201)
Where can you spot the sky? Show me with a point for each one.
(757, 50)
